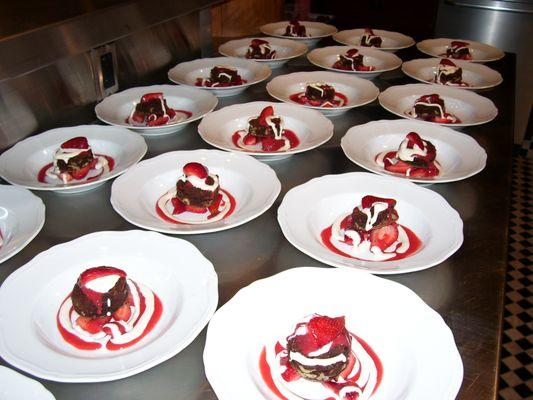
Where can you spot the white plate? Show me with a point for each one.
(478, 76)
(311, 127)
(21, 164)
(469, 107)
(481, 52)
(392, 41)
(459, 155)
(315, 30)
(174, 269)
(357, 90)
(116, 108)
(285, 49)
(16, 386)
(186, 73)
(417, 349)
(308, 209)
(383, 61)
(254, 186)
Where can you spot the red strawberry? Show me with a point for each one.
(271, 144)
(290, 374)
(158, 121)
(385, 236)
(267, 112)
(179, 207)
(213, 208)
(414, 139)
(123, 313)
(258, 42)
(369, 31)
(195, 209)
(368, 201)
(399, 167)
(195, 169)
(82, 172)
(448, 63)
(459, 43)
(79, 142)
(250, 140)
(352, 53)
(92, 325)
(326, 329)
(431, 99)
(440, 120)
(151, 96)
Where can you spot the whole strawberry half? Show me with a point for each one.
(265, 113)
(79, 142)
(271, 144)
(151, 96)
(326, 329)
(195, 169)
(385, 236)
(368, 201)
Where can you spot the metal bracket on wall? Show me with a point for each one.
(104, 65)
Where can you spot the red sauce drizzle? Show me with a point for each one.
(300, 98)
(41, 175)
(290, 135)
(400, 167)
(266, 374)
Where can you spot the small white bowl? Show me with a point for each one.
(469, 107)
(383, 61)
(481, 52)
(285, 50)
(115, 109)
(477, 76)
(459, 155)
(311, 127)
(358, 91)
(315, 30)
(186, 73)
(20, 165)
(392, 41)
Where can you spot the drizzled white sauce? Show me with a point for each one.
(380, 160)
(178, 117)
(201, 183)
(445, 70)
(101, 167)
(406, 154)
(412, 112)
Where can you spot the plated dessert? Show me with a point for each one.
(295, 29)
(308, 32)
(377, 38)
(153, 110)
(221, 76)
(431, 108)
(460, 49)
(352, 60)
(320, 94)
(369, 39)
(260, 49)
(448, 73)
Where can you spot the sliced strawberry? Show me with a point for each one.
(265, 113)
(271, 144)
(351, 53)
(250, 140)
(399, 167)
(92, 325)
(258, 42)
(368, 201)
(179, 207)
(195, 209)
(326, 329)
(440, 120)
(447, 62)
(151, 96)
(123, 313)
(195, 169)
(385, 236)
(82, 172)
(79, 142)
(158, 121)
(290, 374)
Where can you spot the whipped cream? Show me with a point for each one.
(54, 174)
(201, 183)
(103, 284)
(406, 154)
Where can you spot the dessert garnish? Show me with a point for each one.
(458, 50)
(74, 162)
(321, 359)
(320, 94)
(260, 49)
(107, 310)
(415, 158)
(196, 199)
(448, 73)
(430, 107)
(295, 29)
(266, 133)
(352, 60)
(368, 39)
(221, 76)
(153, 110)
(371, 232)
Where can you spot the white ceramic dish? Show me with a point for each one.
(392, 41)
(16, 386)
(315, 30)
(285, 49)
(186, 73)
(477, 76)
(21, 164)
(254, 186)
(382, 61)
(481, 52)
(308, 209)
(115, 109)
(469, 107)
(174, 269)
(418, 353)
(358, 91)
(459, 155)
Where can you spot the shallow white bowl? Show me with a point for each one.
(459, 155)
(471, 108)
(21, 164)
(21, 219)
(392, 41)
(383, 61)
(357, 90)
(308, 209)
(481, 52)
(186, 73)
(315, 30)
(254, 186)
(285, 49)
(116, 108)
(16, 386)
(417, 349)
(174, 269)
(478, 76)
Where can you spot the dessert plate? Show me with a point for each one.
(459, 155)
(382, 61)
(16, 386)
(392, 41)
(477, 76)
(469, 107)
(21, 164)
(315, 30)
(254, 186)
(357, 91)
(285, 50)
(174, 269)
(308, 209)
(115, 109)
(404, 332)
(481, 52)
(186, 73)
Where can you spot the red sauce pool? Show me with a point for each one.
(41, 176)
(301, 99)
(187, 113)
(290, 135)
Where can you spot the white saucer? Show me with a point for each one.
(308, 209)
(285, 49)
(254, 186)
(186, 73)
(478, 76)
(315, 30)
(357, 90)
(481, 52)
(115, 109)
(21, 164)
(459, 155)
(16, 386)
(469, 107)
(383, 61)
(418, 353)
(392, 41)
(174, 269)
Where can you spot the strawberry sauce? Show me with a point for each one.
(41, 175)
(287, 133)
(340, 100)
